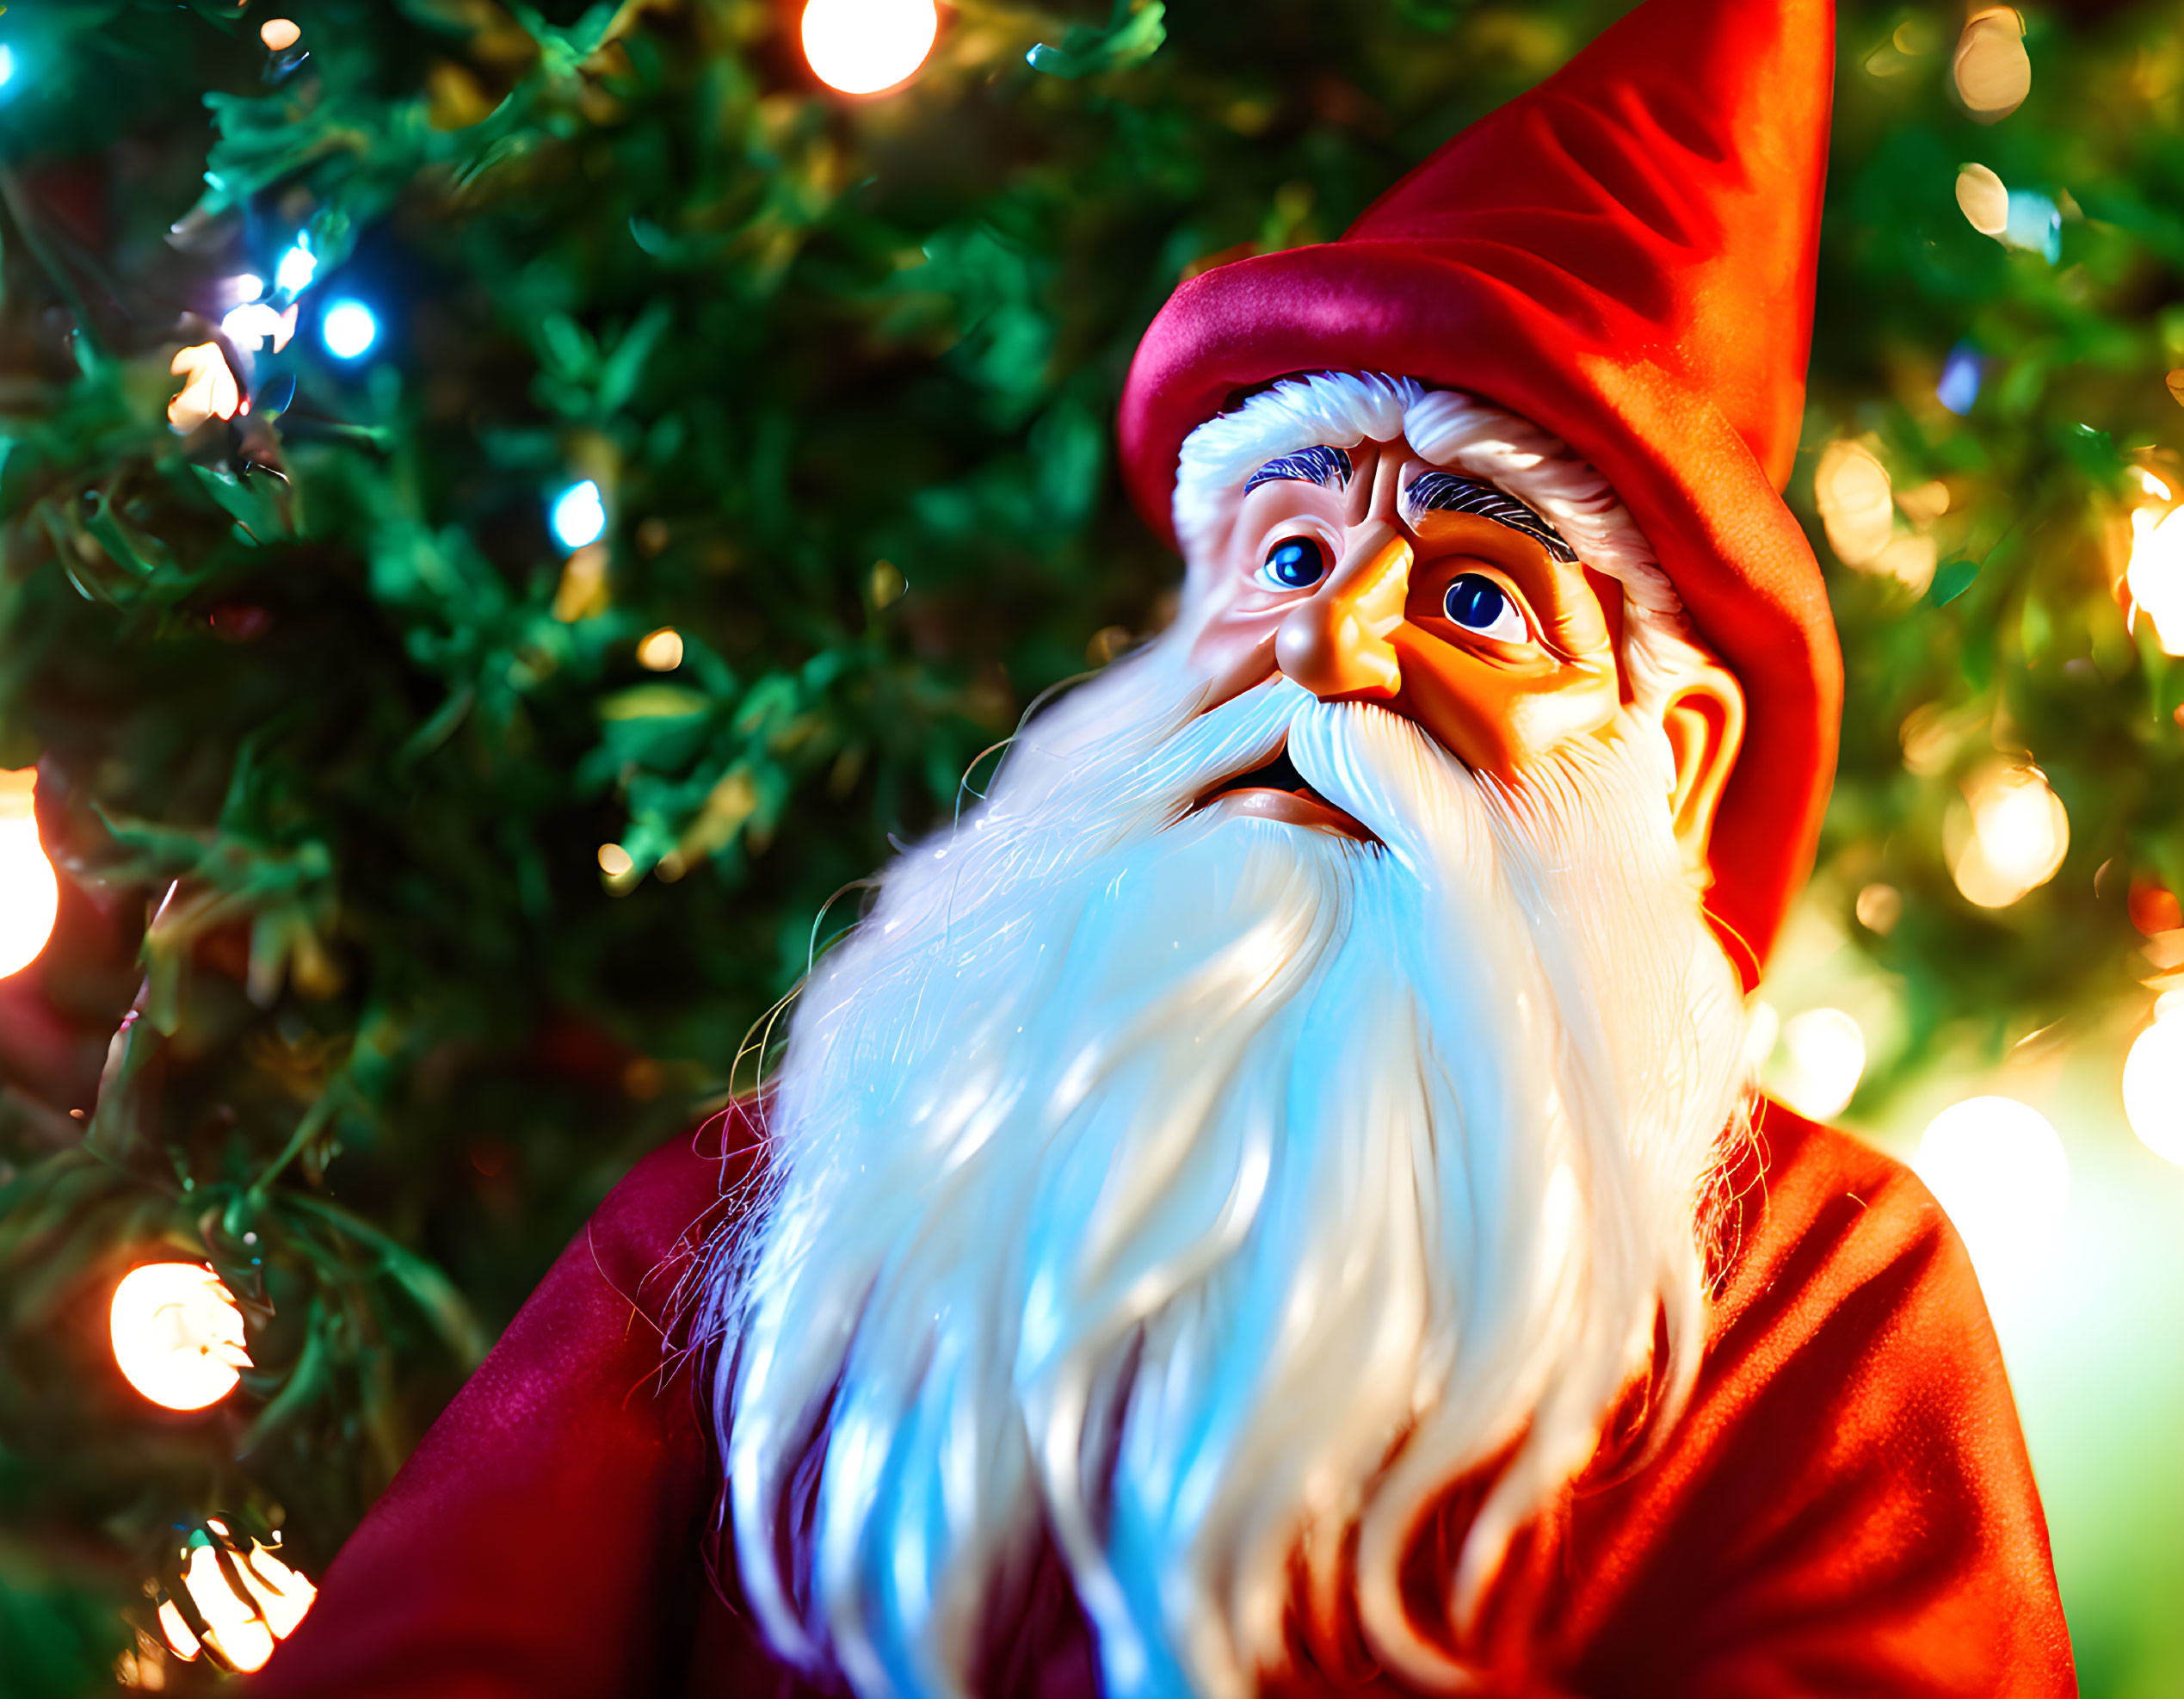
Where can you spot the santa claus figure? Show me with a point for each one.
(1268, 1204)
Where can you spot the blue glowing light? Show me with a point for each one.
(7, 65)
(349, 329)
(2035, 224)
(1960, 375)
(579, 515)
(291, 275)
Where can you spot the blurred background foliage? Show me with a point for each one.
(414, 883)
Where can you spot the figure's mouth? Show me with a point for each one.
(1275, 790)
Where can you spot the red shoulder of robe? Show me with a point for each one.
(1846, 1508)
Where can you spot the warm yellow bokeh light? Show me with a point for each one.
(662, 651)
(1879, 908)
(284, 1596)
(1999, 1169)
(2153, 1085)
(232, 1627)
(209, 390)
(2008, 836)
(280, 34)
(1824, 1058)
(177, 1335)
(241, 1628)
(180, 1640)
(615, 861)
(865, 47)
(2156, 577)
(1984, 198)
(1991, 70)
(29, 894)
(1857, 505)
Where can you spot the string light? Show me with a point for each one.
(2153, 1082)
(29, 893)
(2155, 579)
(1984, 198)
(2008, 837)
(2000, 1170)
(255, 323)
(1992, 71)
(242, 1628)
(177, 1335)
(2035, 224)
(868, 46)
(662, 651)
(2016, 218)
(1960, 376)
(579, 515)
(1851, 489)
(1824, 1058)
(1857, 504)
(209, 390)
(1879, 908)
(292, 272)
(349, 330)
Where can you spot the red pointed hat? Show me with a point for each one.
(1624, 256)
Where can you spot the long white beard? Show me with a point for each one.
(1212, 1195)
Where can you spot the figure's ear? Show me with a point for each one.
(1703, 720)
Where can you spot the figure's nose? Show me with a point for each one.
(1335, 644)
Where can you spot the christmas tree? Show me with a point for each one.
(509, 511)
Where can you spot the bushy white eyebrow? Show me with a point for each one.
(1322, 464)
(1448, 492)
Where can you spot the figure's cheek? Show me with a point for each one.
(1500, 719)
(1233, 647)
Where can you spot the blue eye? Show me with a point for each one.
(1478, 603)
(1294, 563)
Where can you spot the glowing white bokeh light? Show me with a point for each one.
(29, 894)
(662, 651)
(1823, 1060)
(2156, 577)
(2018, 834)
(292, 274)
(231, 1625)
(243, 1628)
(209, 389)
(2000, 1170)
(349, 330)
(579, 515)
(2153, 1085)
(177, 1335)
(868, 46)
(7, 65)
(255, 323)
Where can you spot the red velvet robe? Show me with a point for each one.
(1847, 1508)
